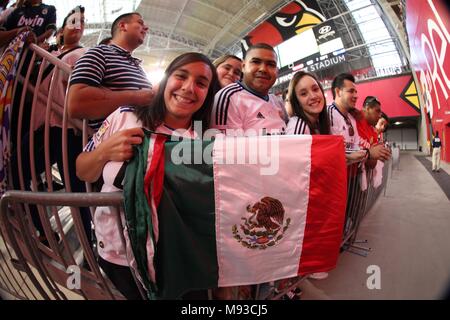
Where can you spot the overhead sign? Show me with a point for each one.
(314, 49)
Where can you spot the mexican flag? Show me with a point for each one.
(234, 210)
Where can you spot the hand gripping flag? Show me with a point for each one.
(235, 210)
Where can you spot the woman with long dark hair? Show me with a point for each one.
(185, 95)
(309, 110)
(308, 106)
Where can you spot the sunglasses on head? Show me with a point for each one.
(371, 99)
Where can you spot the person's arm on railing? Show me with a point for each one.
(89, 102)
(356, 156)
(118, 147)
(379, 152)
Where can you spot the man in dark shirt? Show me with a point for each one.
(436, 157)
(41, 18)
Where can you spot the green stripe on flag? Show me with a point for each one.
(186, 256)
(138, 211)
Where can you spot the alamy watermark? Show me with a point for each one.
(73, 281)
(255, 147)
(374, 280)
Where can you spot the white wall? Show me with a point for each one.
(405, 138)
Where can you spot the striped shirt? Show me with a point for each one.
(344, 126)
(297, 125)
(112, 67)
(237, 108)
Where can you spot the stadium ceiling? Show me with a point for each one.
(214, 27)
(208, 26)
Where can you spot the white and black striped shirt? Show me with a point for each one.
(237, 108)
(344, 126)
(112, 67)
(297, 125)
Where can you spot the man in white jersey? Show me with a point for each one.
(247, 108)
(247, 104)
(342, 119)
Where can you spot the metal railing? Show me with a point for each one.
(364, 188)
(48, 268)
(30, 267)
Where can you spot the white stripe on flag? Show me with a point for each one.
(239, 187)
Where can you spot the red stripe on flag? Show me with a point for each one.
(326, 207)
(155, 173)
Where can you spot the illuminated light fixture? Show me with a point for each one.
(155, 76)
(398, 123)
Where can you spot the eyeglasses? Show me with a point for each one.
(351, 131)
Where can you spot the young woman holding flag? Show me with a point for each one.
(185, 95)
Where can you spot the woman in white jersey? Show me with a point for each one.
(308, 106)
(309, 114)
(308, 110)
(185, 95)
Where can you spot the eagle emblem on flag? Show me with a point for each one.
(263, 227)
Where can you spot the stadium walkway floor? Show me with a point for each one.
(408, 231)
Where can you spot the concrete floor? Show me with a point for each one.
(408, 230)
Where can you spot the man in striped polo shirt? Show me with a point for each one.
(247, 106)
(108, 76)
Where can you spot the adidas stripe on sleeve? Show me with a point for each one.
(297, 125)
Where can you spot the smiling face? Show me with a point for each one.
(381, 125)
(229, 71)
(310, 97)
(260, 70)
(185, 93)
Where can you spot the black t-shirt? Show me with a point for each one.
(40, 18)
(436, 142)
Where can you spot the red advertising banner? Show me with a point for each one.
(398, 95)
(428, 26)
